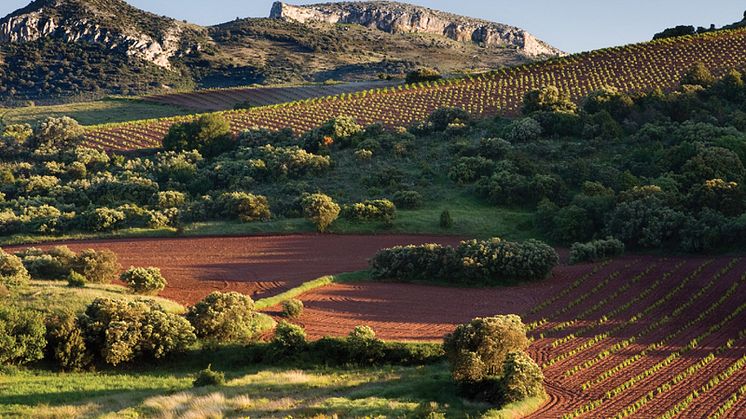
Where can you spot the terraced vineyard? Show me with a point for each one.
(639, 67)
(226, 99)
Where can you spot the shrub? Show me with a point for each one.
(289, 338)
(55, 263)
(363, 155)
(478, 349)
(442, 118)
(415, 263)
(66, 343)
(210, 135)
(320, 209)
(146, 281)
(76, 280)
(119, 331)
(490, 262)
(445, 219)
(245, 206)
(224, 317)
(170, 199)
(547, 99)
(521, 378)
(55, 134)
(363, 346)
(12, 271)
(375, 210)
(596, 250)
(103, 219)
(525, 130)
(497, 261)
(98, 267)
(698, 75)
(469, 169)
(408, 199)
(422, 75)
(644, 222)
(292, 309)
(208, 377)
(22, 336)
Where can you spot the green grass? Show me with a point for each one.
(109, 110)
(51, 296)
(251, 391)
(310, 285)
(471, 218)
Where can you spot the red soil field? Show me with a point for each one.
(255, 265)
(606, 335)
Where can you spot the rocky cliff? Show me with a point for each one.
(152, 38)
(395, 17)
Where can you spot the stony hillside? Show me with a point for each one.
(395, 17)
(57, 49)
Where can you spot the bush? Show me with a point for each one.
(289, 338)
(547, 99)
(422, 75)
(12, 271)
(375, 210)
(408, 199)
(210, 135)
(491, 262)
(103, 219)
(478, 349)
(445, 219)
(170, 199)
(292, 309)
(76, 280)
(98, 267)
(596, 250)
(698, 75)
(525, 130)
(443, 117)
(245, 206)
(208, 377)
(224, 317)
(146, 281)
(22, 336)
(55, 263)
(119, 331)
(521, 378)
(66, 345)
(320, 209)
(469, 169)
(364, 347)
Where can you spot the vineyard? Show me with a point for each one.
(637, 337)
(225, 99)
(633, 68)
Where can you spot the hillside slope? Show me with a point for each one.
(54, 49)
(639, 67)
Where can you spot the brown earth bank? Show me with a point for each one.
(259, 266)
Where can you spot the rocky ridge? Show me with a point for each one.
(393, 17)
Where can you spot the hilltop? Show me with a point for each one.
(54, 49)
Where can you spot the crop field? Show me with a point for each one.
(634, 68)
(260, 266)
(226, 99)
(640, 336)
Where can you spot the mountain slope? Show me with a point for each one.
(633, 68)
(52, 49)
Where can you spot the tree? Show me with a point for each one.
(224, 317)
(147, 281)
(547, 99)
(56, 134)
(321, 210)
(12, 271)
(210, 135)
(478, 349)
(698, 75)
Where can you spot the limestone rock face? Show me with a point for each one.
(395, 17)
(70, 21)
